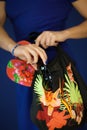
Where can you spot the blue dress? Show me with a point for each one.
(35, 16)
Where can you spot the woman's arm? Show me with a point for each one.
(5, 41)
(79, 31)
(30, 53)
(51, 38)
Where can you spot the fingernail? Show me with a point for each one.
(45, 62)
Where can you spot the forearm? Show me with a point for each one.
(76, 32)
(6, 42)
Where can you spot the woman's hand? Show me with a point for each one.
(50, 38)
(30, 53)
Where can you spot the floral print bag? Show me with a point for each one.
(59, 95)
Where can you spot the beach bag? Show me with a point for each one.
(59, 95)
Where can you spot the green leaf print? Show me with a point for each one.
(10, 65)
(71, 87)
(16, 78)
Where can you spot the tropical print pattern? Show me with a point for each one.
(62, 107)
(20, 72)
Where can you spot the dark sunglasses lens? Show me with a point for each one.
(47, 82)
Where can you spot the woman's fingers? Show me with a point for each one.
(41, 53)
(30, 53)
(36, 53)
(46, 39)
(22, 53)
(41, 41)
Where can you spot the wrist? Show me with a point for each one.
(11, 44)
(23, 42)
(13, 49)
(66, 35)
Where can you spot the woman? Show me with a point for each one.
(48, 18)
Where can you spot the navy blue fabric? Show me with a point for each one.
(72, 0)
(37, 15)
(34, 16)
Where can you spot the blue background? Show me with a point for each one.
(8, 113)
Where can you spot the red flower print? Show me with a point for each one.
(58, 120)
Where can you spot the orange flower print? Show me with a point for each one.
(58, 120)
(51, 100)
(69, 71)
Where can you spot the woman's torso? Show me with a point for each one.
(37, 15)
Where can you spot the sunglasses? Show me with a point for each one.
(47, 76)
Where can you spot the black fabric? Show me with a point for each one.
(57, 69)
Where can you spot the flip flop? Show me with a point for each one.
(19, 71)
